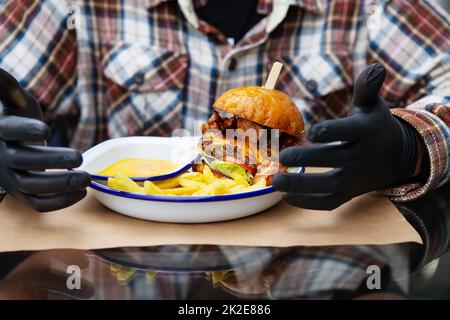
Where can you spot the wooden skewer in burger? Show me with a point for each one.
(257, 110)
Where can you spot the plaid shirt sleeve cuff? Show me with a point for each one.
(436, 137)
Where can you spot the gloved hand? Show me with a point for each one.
(377, 150)
(23, 161)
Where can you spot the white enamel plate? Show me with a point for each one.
(177, 209)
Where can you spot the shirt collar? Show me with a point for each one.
(264, 6)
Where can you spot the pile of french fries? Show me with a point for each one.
(187, 184)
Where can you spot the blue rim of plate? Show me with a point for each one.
(235, 196)
(153, 178)
(174, 269)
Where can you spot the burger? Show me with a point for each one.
(247, 129)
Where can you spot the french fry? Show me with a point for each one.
(150, 276)
(238, 188)
(230, 183)
(115, 267)
(218, 276)
(183, 191)
(191, 183)
(190, 175)
(259, 185)
(125, 274)
(203, 191)
(151, 188)
(199, 179)
(168, 183)
(218, 188)
(175, 182)
(241, 188)
(123, 183)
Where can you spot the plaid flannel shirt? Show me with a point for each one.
(146, 67)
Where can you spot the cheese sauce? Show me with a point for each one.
(140, 167)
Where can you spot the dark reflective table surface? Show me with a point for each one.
(397, 271)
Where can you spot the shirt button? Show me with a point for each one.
(311, 85)
(139, 78)
(232, 65)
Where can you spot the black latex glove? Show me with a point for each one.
(23, 156)
(377, 150)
